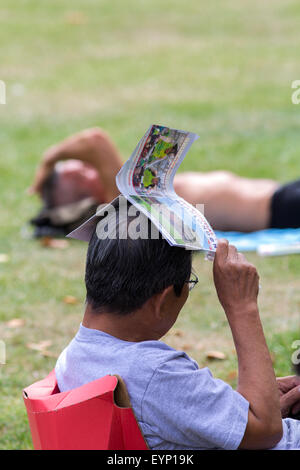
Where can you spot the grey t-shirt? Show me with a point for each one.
(177, 405)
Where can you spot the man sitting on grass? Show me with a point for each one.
(136, 289)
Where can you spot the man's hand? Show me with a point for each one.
(236, 279)
(91, 146)
(236, 282)
(289, 392)
(43, 171)
(79, 146)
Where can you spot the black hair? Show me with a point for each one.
(122, 274)
(297, 368)
(49, 188)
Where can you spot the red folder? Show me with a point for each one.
(87, 417)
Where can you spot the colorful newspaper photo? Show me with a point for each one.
(146, 180)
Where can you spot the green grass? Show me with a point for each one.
(221, 69)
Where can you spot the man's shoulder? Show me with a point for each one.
(93, 353)
(153, 354)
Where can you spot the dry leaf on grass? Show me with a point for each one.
(41, 346)
(55, 243)
(215, 355)
(70, 299)
(75, 18)
(176, 332)
(4, 258)
(48, 354)
(15, 323)
(186, 347)
(231, 375)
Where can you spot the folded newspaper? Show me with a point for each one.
(146, 181)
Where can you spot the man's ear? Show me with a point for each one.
(161, 301)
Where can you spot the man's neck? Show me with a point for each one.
(129, 327)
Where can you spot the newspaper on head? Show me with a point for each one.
(146, 180)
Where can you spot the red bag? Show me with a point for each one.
(87, 417)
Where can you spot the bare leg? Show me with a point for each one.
(230, 202)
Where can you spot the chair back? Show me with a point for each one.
(97, 415)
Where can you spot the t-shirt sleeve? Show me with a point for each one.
(187, 406)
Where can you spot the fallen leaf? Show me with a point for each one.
(175, 332)
(41, 346)
(70, 299)
(56, 243)
(15, 323)
(4, 258)
(76, 18)
(48, 354)
(232, 375)
(215, 355)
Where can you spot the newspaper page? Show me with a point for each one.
(146, 180)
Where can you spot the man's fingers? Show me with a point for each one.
(241, 257)
(222, 250)
(34, 189)
(294, 380)
(295, 409)
(232, 253)
(226, 252)
(287, 383)
(290, 400)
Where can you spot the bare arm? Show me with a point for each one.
(92, 146)
(236, 282)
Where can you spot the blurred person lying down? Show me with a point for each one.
(78, 174)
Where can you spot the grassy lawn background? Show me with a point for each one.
(220, 69)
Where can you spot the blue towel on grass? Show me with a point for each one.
(251, 241)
